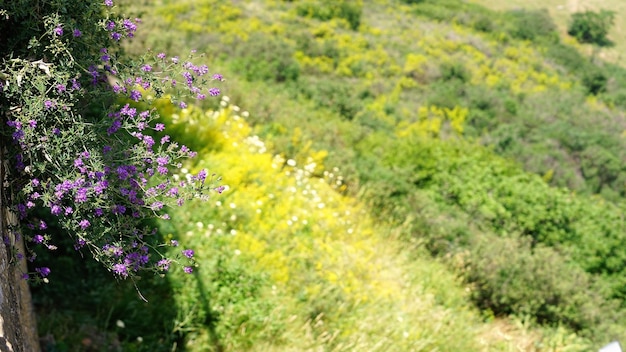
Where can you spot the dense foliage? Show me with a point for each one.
(592, 27)
(79, 155)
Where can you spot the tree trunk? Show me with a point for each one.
(18, 327)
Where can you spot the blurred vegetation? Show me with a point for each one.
(412, 175)
(592, 27)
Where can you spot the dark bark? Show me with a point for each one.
(18, 328)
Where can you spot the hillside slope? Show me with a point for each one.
(482, 176)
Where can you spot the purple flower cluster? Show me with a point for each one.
(124, 28)
(99, 187)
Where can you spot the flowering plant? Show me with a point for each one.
(83, 144)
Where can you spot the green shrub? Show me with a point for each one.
(510, 276)
(532, 25)
(595, 80)
(592, 27)
(567, 56)
(600, 167)
(325, 10)
(454, 71)
(265, 58)
(337, 96)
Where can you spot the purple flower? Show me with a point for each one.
(114, 250)
(108, 3)
(189, 78)
(188, 253)
(120, 269)
(119, 209)
(128, 111)
(58, 31)
(125, 171)
(135, 95)
(117, 89)
(202, 175)
(129, 25)
(56, 210)
(148, 141)
(156, 205)
(98, 211)
(162, 160)
(49, 104)
(84, 224)
(80, 243)
(218, 77)
(43, 271)
(214, 92)
(15, 124)
(164, 264)
(165, 139)
(116, 36)
(93, 71)
(188, 270)
(172, 192)
(146, 68)
(37, 238)
(105, 57)
(81, 195)
(220, 189)
(174, 243)
(100, 186)
(159, 127)
(161, 56)
(32, 123)
(175, 59)
(42, 225)
(77, 33)
(17, 135)
(182, 105)
(75, 84)
(201, 70)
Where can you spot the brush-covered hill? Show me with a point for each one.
(412, 175)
